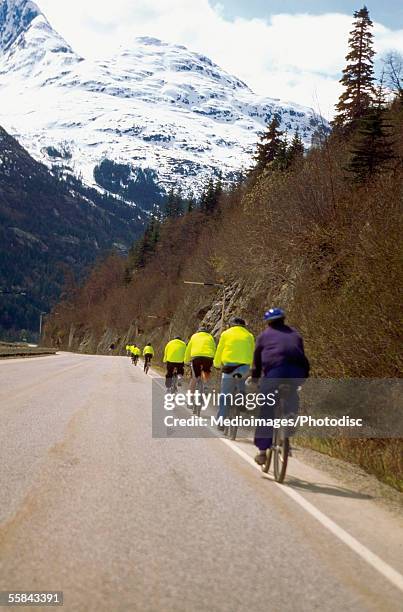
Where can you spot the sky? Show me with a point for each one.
(288, 49)
(387, 12)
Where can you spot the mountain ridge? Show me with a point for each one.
(152, 105)
(15, 17)
(47, 225)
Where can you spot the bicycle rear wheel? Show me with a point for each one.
(174, 384)
(233, 428)
(200, 388)
(280, 459)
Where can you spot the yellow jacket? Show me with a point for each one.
(200, 344)
(236, 345)
(136, 351)
(148, 350)
(175, 351)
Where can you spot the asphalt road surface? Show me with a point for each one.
(92, 505)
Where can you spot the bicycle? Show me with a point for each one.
(147, 363)
(200, 388)
(174, 381)
(280, 448)
(234, 412)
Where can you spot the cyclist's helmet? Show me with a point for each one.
(237, 321)
(148, 344)
(177, 338)
(204, 329)
(273, 314)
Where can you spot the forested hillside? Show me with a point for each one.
(50, 226)
(317, 233)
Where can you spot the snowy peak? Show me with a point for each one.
(15, 18)
(28, 43)
(155, 108)
(166, 58)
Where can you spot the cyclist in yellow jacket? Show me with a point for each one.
(148, 354)
(174, 357)
(136, 352)
(200, 353)
(235, 357)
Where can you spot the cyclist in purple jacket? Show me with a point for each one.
(279, 354)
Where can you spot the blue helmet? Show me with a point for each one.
(273, 314)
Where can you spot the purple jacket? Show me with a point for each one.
(280, 349)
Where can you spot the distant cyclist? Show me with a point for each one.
(200, 353)
(128, 350)
(148, 354)
(234, 356)
(279, 354)
(136, 352)
(174, 357)
(131, 351)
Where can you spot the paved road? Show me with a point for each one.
(90, 504)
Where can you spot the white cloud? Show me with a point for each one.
(293, 57)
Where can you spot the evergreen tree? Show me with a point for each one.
(296, 149)
(358, 76)
(282, 160)
(174, 205)
(190, 205)
(210, 197)
(142, 250)
(269, 144)
(372, 151)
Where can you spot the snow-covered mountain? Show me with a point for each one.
(153, 105)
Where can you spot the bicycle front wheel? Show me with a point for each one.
(280, 459)
(200, 388)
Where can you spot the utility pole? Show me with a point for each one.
(41, 317)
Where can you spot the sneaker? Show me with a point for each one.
(260, 458)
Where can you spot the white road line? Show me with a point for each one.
(371, 558)
(367, 555)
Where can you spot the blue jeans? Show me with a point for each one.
(229, 384)
(270, 384)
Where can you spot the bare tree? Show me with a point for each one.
(393, 62)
